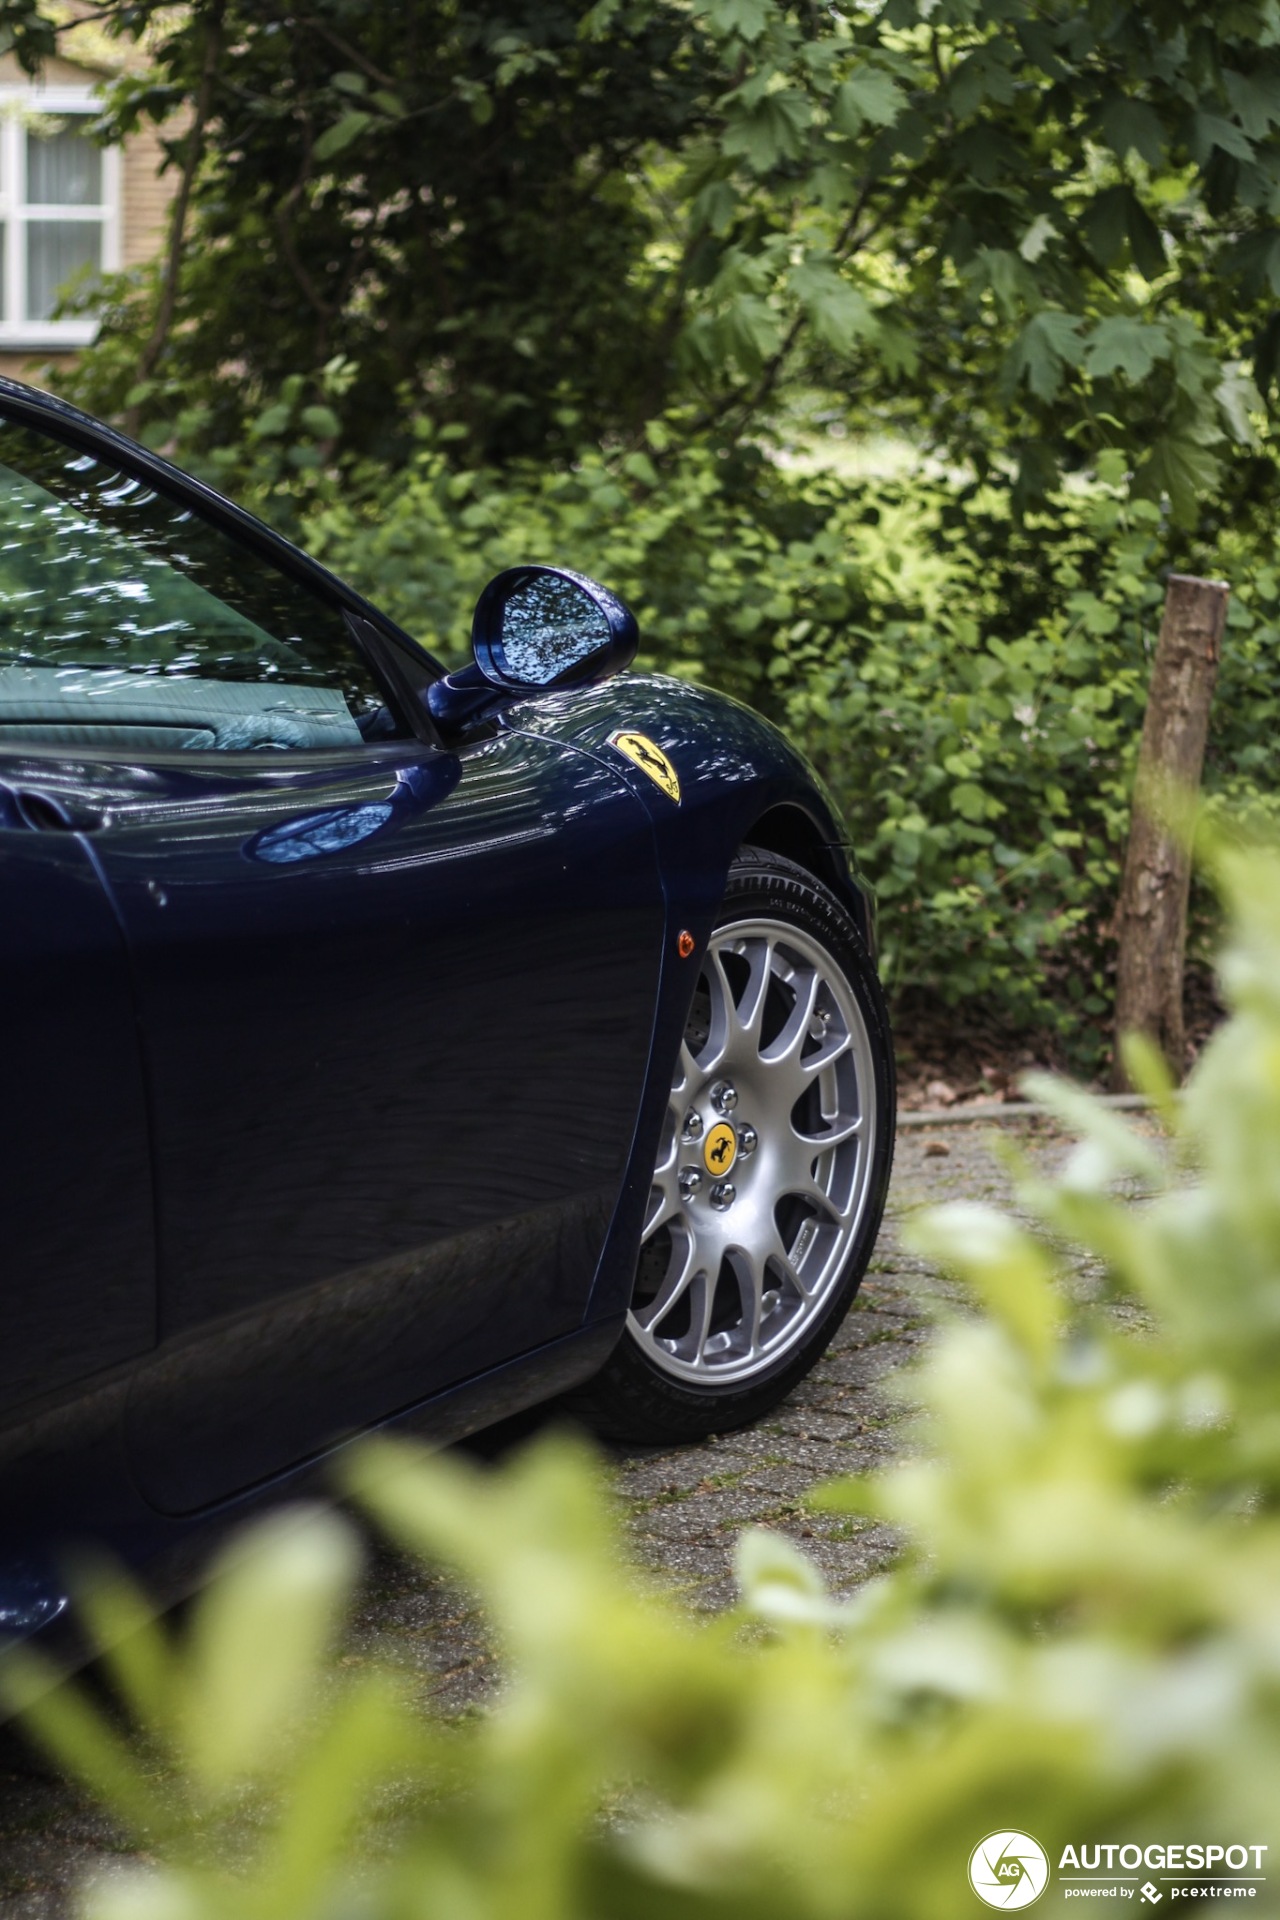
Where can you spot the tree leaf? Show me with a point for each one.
(1047, 345)
(1182, 468)
(745, 18)
(1146, 241)
(1240, 401)
(772, 129)
(1255, 101)
(869, 95)
(1008, 277)
(1105, 224)
(1212, 131)
(1133, 126)
(1256, 258)
(339, 137)
(1037, 237)
(983, 76)
(1122, 344)
(838, 313)
(716, 205)
(322, 421)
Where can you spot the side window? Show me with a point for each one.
(129, 623)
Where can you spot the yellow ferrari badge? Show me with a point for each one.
(640, 750)
(720, 1148)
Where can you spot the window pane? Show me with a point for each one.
(57, 249)
(120, 609)
(63, 170)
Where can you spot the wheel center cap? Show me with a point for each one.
(720, 1149)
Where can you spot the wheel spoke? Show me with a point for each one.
(664, 1205)
(686, 1074)
(735, 1023)
(702, 1301)
(749, 1271)
(819, 1197)
(677, 1277)
(843, 1127)
(783, 1056)
(750, 1008)
(670, 1154)
(826, 1055)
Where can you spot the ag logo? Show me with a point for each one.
(1008, 1870)
(642, 753)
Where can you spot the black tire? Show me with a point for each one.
(634, 1398)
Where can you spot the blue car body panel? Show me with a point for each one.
(339, 1077)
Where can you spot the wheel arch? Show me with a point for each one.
(790, 830)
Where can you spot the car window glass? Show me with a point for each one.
(128, 622)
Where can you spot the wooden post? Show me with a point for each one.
(1151, 922)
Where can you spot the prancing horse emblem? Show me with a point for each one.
(650, 759)
(720, 1148)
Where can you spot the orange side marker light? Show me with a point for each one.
(685, 944)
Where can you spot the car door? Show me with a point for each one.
(396, 1000)
(77, 1269)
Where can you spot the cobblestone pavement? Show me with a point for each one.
(685, 1506)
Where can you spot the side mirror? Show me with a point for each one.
(536, 629)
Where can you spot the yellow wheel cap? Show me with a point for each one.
(641, 751)
(720, 1149)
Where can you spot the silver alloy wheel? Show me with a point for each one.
(764, 1172)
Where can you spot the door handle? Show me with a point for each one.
(50, 813)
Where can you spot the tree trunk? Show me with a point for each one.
(1151, 921)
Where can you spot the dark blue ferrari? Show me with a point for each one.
(386, 1044)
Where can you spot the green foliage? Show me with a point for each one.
(1078, 1640)
(1029, 233)
(970, 684)
(444, 197)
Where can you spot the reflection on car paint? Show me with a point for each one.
(316, 834)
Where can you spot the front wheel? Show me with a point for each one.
(771, 1177)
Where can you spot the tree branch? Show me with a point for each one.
(159, 335)
(348, 52)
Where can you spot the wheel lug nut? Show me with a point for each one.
(690, 1181)
(723, 1195)
(724, 1096)
(748, 1141)
(692, 1129)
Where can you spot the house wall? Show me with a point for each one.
(144, 201)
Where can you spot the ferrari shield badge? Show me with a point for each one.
(641, 751)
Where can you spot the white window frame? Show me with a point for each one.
(17, 105)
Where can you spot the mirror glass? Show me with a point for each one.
(548, 624)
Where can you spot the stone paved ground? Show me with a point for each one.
(686, 1506)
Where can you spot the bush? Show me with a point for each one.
(972, 686)
(1079, 1640)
